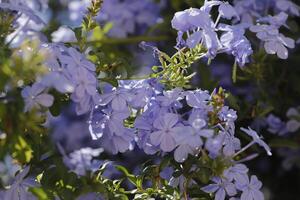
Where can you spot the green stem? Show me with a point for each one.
(234, 71)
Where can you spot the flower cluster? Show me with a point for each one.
(133, 17)
(183, 122)
(192, 133)
(235, 181)
(28, 22)
(277, 126)
(68, 72)
(198, 27)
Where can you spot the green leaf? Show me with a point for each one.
(130, 177)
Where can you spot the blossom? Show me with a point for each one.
(8, 169)
(276, 125)
(117, 97)
(18, 190)
(166, 132)
(171, 98)
(214, 145)
(134, 16)
(251, 189)
(81, 161)
(23, 9)
(144, 126)
(35, 98)
(288, 6)
(231, 145)
(63, 34)
(236, 43)
(202, 27)
(257, 139)
(220, 187)
(197, 98)
(274, 42)
(228, 116)
(237, 172)
(227, 11)
(76, 59)
(293, 124)
(189, 139)
(118, 142)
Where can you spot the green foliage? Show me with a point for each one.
(175, 71)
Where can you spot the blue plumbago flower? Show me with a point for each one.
(250, 10)
(75, 58)
(81, 161)
(22, 8)
(108, 125)
(197, 98)
(293, 124)
(227, 11)
(220, 187)
(274, 41)
(8, 169)
(166, 132)
(275, 125)
(236, 43)
(32, 17)
(144, 126)
(231, 143)
(189, 138)
(118, 98)
(214, 145)
(228, 116)
(171, 98)
(35, 98)
(288, 6)
(250, 189)
(257, 139)
(76, 11)
(201, 27)
(57, 77)
(238, 173)
(166, 173)
(63, 34)
(18, 190)
(115, 143)
(71, 72)
(134, 16)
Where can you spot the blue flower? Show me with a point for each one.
(189, 138)
(251, 189)
(118, 99)
(166, 133)
(35, 98)
(237, 172)
(276, 125)
(288, 6)
(257, 139)
(19, 189)
(274, 42)
(171, 98)
(228, 116)
(197, 98)
(231, 144)
(214, 145)
(81, 161)
(236, 43)
(133, 16)
(220, 187)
